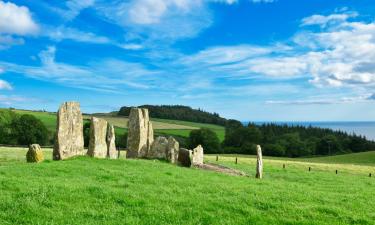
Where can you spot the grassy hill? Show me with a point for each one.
(92, 191)
(161, 126)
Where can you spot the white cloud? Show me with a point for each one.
(131, 46)
(325, 20)
(67, 33)
(74, 8)
(7, 41)
(4, 85)
(106, 75)
(16, 20)
(323, 100)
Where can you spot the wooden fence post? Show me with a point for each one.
(217, 158)
(236, 160)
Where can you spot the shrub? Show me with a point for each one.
(29, 130)
(205, 137)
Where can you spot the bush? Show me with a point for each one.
(29, 130)
(205, 137)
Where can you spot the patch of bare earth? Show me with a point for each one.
(221, 169)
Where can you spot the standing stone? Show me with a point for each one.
(98, 138)
(111, 142)
(259, 172)
(172, 150)
(69, 132)
(158, 149)
(197, 156)
(140, 133)
(184, 157)
(34, 154)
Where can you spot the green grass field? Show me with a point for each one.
(93, 191)
(162, 126)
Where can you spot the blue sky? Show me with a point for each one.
(259, 60)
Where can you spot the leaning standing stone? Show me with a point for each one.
(34, 154)
(172, 150)
(259, 172)
(197, 156)
(98, 137)
(140, 133)
(111, 142)
(69, 132)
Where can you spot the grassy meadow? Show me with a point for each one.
(83, 190)
(161, 126)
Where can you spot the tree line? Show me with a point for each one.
(178, 112)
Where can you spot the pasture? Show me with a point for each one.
(84, 190)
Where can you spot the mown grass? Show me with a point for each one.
(161, 126)
(93, 191)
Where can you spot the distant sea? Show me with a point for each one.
(363, 128)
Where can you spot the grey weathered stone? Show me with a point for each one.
(158, 149)
(259, 170)
(172, 150)
(184, 157)
(111, 142)
(98, 136)
(198, 156)
(69, 132)
(140, 133)
(34, 154)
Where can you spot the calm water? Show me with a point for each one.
(361, 128)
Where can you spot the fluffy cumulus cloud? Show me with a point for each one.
(16, 19)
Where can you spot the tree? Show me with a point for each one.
(29, 130)
(86, 132)
(329, 145)
(6, 120)
(205, 137)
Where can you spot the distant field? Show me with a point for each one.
(100, 191)
(166, 127)
(361, 159)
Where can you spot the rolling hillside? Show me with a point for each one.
(161, 126)
(99, 191)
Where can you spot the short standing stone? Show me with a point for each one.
(98, 138)
(158, 149)
(69, 132)
(198, 156)
(111, 142)
(34, 154)
(259, 171)
(172, 150)
(140, 133)
(184, 157)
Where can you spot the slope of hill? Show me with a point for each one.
(161, 126)
(93, 191)
(178, 112)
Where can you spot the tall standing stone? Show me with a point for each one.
(259, 172)
(140, 133)
(172, 150)
(69, 132)
(111, 142)
(98, 138)
(197, 156)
